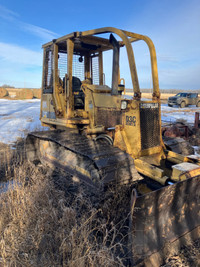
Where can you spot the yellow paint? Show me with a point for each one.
(58, 107)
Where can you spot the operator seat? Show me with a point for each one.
(79, 96)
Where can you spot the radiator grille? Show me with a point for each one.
(149, 125)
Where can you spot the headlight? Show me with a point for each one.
(123, 105)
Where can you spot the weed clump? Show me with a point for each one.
(48, 220)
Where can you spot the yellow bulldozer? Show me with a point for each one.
(102, 136)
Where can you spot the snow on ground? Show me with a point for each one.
(18, 117)
(4, 186)
(171, 114)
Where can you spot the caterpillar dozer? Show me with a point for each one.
(101, 135)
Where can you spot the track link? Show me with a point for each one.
(91, 161)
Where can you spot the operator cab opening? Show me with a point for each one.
(85, 67)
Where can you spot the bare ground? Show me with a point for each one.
(47, 206)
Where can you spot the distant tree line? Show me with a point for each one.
(163, 91)
(6, 86)
(167, 91)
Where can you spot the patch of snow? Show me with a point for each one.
(172, 114)
(196, 150)
(17, 118)
(5, 186)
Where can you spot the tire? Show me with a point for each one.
(183, 104)
(198, 104)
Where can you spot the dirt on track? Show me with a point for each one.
(188, 256)
(47, 206)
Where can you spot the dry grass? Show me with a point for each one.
(19, 93)
(24, 94)
(37, 93)
(10, 157)
(48, 221)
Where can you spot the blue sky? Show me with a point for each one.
(173, 25)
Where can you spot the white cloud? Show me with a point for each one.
(38, 31)
(11, 16)
(7, 14)
(20, 66)
(167, 58)
(17, 54)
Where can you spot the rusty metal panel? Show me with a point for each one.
(163, 216)
(108, 117)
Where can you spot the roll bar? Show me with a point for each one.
(127, 42)
(127, 38)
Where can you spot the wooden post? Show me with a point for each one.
(196, 121)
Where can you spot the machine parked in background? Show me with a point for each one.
(184, 100)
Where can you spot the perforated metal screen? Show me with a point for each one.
(62, 64)
(95, 70)
(48, 71)
(150, 128)
(78, 67)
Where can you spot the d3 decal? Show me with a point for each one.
(130, 120)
